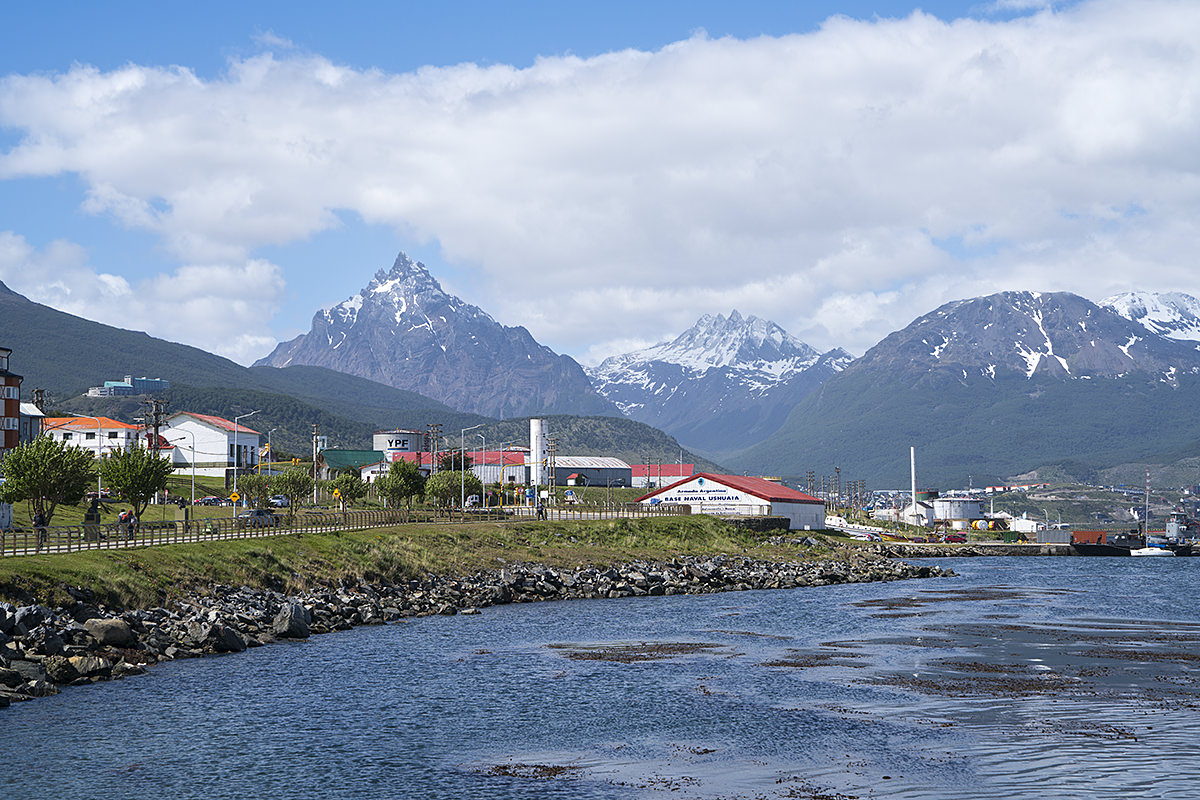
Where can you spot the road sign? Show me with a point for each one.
(337, 492)
(235, 497)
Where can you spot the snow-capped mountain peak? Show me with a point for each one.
(407, 290)
(1174, 315)
(720, 382)
(733, 341)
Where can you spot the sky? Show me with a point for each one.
(602, 174)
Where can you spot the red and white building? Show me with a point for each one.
(739, 495)
(10, 404)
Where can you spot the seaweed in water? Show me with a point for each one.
(634, 651)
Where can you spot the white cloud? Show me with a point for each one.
(839, 182)
(223, 307)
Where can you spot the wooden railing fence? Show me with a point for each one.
(109, 536)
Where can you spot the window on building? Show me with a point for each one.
(89, 436)
(112, 434)
(67, 436)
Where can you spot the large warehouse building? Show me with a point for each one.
(740, 495)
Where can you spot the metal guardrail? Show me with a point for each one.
(113, 536)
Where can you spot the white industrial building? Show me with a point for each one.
(739, 495)
(213, 444)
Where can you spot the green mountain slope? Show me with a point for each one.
(988, 430)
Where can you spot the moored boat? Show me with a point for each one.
(1153, 552)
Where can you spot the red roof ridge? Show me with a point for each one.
(759, 487)
(219, 422)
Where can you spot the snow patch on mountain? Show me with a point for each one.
(1174, 315)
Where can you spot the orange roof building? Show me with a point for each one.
(99, 434)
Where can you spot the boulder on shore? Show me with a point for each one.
(111, 632)
(290, 622)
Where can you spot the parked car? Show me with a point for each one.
(257, 518)
(208, 501)
(957, 538)
(279, 501)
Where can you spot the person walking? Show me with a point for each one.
(39, 529)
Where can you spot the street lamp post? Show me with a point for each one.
(192, 459)
(462, 444)
(237, 456)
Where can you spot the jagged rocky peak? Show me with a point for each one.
(407, 288)
(403, 330)
(1172, 314)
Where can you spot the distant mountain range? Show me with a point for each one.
(723, 382)
(402, 330)
(1000, 385)
(1012, 384)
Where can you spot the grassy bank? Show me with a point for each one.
(144, 577)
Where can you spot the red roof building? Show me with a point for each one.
(741, 495)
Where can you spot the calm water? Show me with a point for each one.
(1032, 678)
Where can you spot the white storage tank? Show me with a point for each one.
(957, 512)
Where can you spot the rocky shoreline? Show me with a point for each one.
(43, 649)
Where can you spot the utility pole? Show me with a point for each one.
(837, 486)
(314, 448)
(435, 435)
(551, 451)
(153, 417)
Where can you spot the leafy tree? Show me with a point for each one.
(447, 487)
(256, 489)
(46, 473)
(350, 488)
(136, 474)
(292, 484)
(402, 482)
(453, 461)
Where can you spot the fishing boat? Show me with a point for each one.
(1100, 543)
